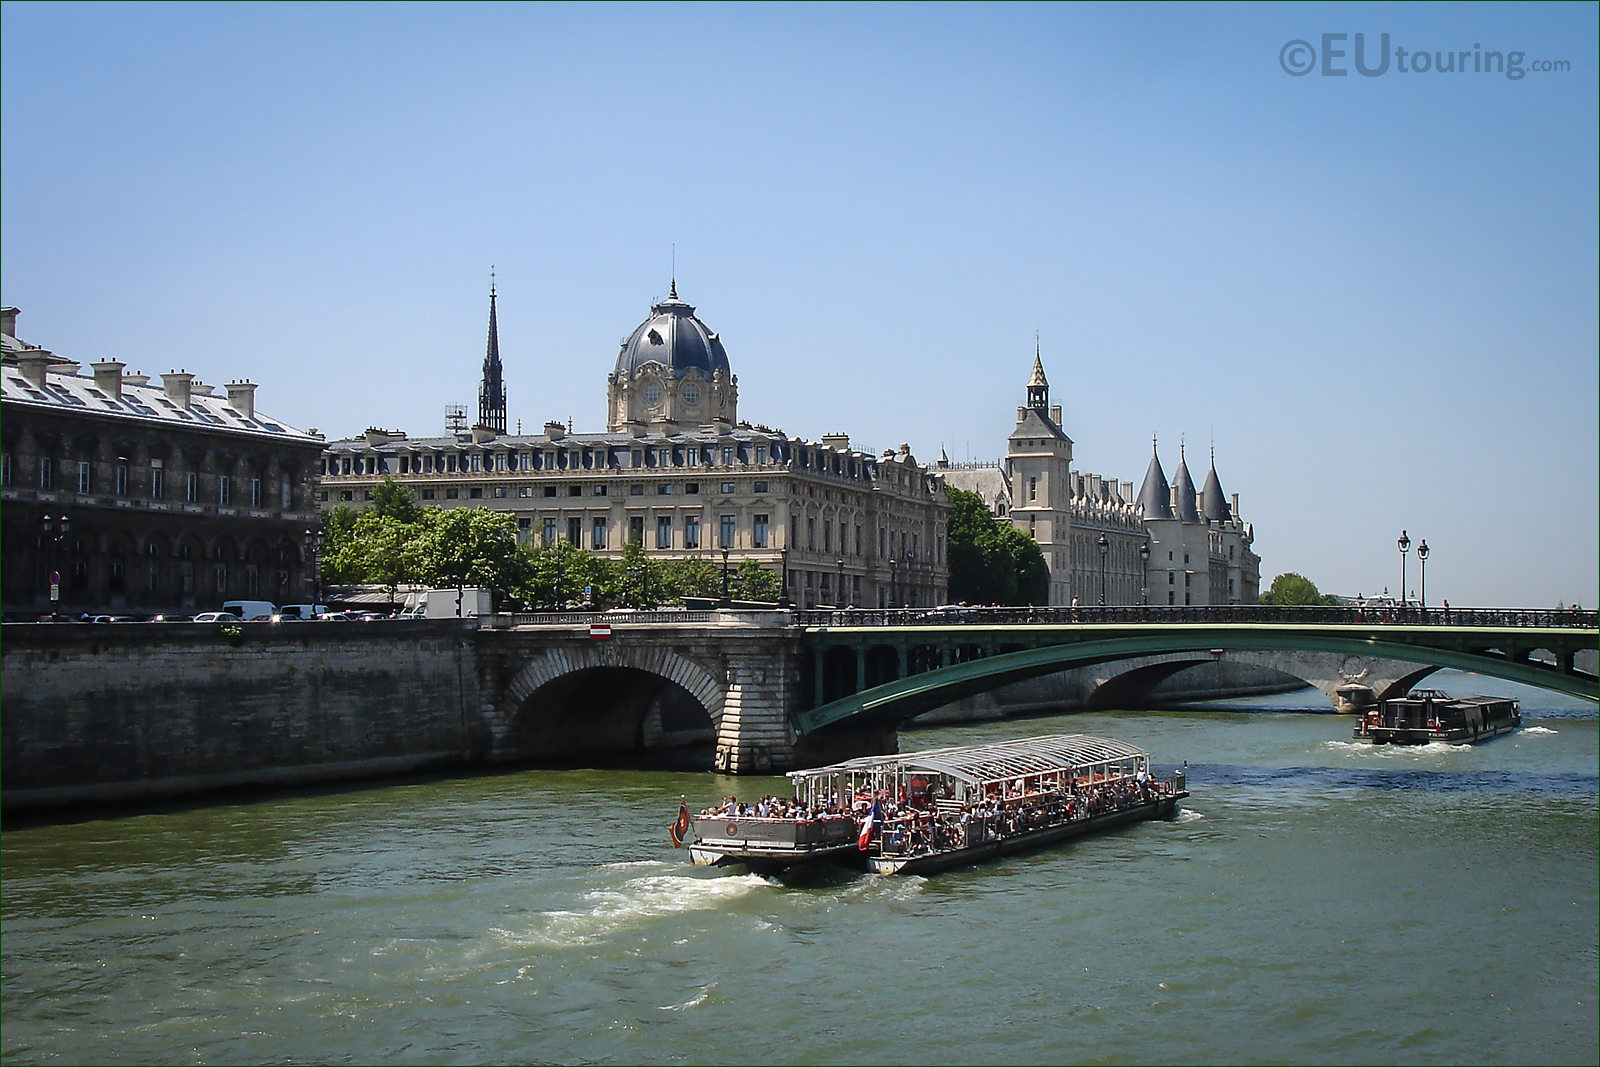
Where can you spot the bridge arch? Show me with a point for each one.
(654, 700)
(916, 693)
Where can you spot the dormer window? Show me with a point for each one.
(655, 338)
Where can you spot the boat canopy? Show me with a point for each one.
(1001, 761)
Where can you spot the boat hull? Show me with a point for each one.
(1163, 807)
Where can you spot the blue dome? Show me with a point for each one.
(675, 340)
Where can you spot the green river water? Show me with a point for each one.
(1316, 902)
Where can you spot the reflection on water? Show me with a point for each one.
(542, 916)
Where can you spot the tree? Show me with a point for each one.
(991, 561)
(754, 582)
(338, 566)
(469, 547)
(560, 574)
(396, 501)
(1295, 589)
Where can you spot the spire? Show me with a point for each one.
(492, 393)
(1038, 385)
(1183, 490)
(1213, 505)
(1154, 495)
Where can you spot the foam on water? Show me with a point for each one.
(1537, 730)
(635, 903)
(1188, 815)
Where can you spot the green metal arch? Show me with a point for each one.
(917, 693)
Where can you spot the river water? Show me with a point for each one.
(1317, 902)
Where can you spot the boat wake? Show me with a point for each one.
(1537, 730)
(1188, 815)
(634, 903)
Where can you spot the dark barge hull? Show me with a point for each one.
(1164, 807)
(772, 863)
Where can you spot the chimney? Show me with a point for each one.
(840, 441)
(176, 383)
(108, 377)
(555, 429)
(1235, 513)
(242, 397)
(1055, 414)
(8, 321)
(34, 364)
(482, 434)
(1022, 413)
(136, 379)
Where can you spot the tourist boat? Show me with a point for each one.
(923, 812)
(1424, 716)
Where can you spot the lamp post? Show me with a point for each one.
(783, 590)
(838, 596)
(1105, 551)
(1422, 559)
(726, 601)
(556, 595)
(56, 528)
(1405, 546)
(892, 562)
(314, 554)
(1144, 574)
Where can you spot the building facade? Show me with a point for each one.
(145, 498)
(1167, 545)
(679, 473)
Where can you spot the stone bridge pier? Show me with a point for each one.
(719, 682)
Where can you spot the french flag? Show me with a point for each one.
(873, 818)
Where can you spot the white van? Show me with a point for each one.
(250, 610)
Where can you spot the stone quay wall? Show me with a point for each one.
(139, 712)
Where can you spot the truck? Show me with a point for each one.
(450, 603)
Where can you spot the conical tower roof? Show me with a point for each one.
(1155, 496)
(1183, 490)
(1213, 505)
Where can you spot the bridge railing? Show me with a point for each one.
(1389, 614)
(619, 618)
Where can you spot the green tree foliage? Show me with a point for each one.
(755, 582)
(559, 575)
(991, 561)
(1295, 589)
(395, 501)
(468, 547)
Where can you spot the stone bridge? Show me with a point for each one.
(143, 711)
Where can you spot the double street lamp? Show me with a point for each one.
(726, 601)
(838, 596)
(783, 590)
(892, 598)
(1422, 558)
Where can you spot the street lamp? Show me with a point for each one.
(1144, 574)
(892, 562)
(838, 596)
(1405, 546)
(1105, 550)
(783, 590)
(56, 528)
(560, 568)
(314, 552)
(1422, 558)
(726, 601)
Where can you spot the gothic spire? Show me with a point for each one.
(492, 393)
(1038, 385)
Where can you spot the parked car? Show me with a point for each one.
(281, 617)
(334, 616)
(216, 616)
(171, 618)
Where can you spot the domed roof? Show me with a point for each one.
(673, 338)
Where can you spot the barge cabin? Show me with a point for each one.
(1427, 715)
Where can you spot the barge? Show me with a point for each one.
(1424, 716)
(924, 812)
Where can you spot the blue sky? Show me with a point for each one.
(1376, 295)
